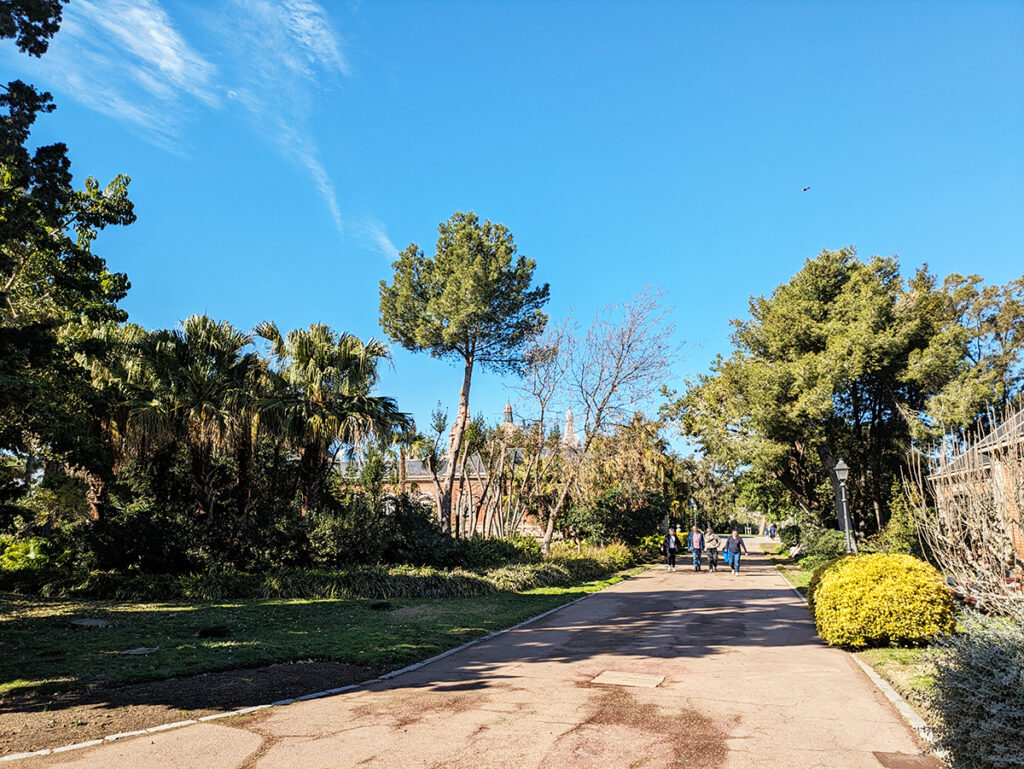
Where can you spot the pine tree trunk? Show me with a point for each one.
(455, 445)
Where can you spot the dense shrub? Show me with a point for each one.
(649, 548)
(23, 555)
(790, 535)
(564, 566)
(616, 515)
(978, 694)
(882, 599)
(824, 544)
(900, 533)
(816, 577)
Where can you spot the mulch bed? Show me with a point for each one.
(35, 721)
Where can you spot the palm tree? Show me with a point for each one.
(323, 397)
(197, 385)
(107, 353)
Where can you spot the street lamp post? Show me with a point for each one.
(842, 472)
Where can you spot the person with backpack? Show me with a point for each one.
(669, 547)
(734, 545)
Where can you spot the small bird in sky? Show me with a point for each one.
(805, 189)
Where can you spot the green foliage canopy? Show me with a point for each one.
(846, 359)
(472, 300)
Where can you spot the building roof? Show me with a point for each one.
(979, 456)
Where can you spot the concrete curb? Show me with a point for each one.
(903, 707)
(304, 697)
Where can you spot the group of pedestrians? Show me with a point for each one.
(704, 543)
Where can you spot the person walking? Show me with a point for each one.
(734, 545)
(696, 544)
(669, 548)
(711, 545)
(771, 531)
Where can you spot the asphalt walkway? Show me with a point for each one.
(700, 670)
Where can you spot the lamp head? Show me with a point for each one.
(842, 471)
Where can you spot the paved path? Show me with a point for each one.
(746, 684)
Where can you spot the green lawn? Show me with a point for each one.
(906, 670)
(788, 568)
(39, 651)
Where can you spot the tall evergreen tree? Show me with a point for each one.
(473, 301)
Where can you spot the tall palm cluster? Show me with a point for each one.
(199, 407)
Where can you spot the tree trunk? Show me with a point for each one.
(95, 491)
(455, 445)
(202, 478)
(549, 531)
(401, 469)
(310, 476)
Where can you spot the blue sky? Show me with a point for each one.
(282, 151)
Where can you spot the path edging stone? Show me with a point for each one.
(904, 708)
(304, 697)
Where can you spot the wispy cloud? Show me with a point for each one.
(275, 59)
(126, 59)
(372, 234)
(282, 54)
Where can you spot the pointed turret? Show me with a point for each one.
(569, 438)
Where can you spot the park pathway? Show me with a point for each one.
(704, 670)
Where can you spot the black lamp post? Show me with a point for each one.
(842, 472)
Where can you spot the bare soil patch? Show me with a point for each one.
(36, 721)
(695, 739)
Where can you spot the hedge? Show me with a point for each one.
(562, 567)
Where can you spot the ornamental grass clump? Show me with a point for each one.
(882, 599)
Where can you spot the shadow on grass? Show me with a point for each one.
(671, 623)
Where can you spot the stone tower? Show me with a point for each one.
(508, 426)
(569, 438)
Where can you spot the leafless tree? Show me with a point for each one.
(968, 500)
(614, 368)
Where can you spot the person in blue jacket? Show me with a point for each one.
(734, 546)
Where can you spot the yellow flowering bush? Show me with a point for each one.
(882, 599)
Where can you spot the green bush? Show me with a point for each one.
(790, 535)
(493, 552)
(882, 599)
(649, 548)
(900, 533)
(977, 694)
(565, 565)
(23, 555)
(813, 562)
(825, 544)
(616, 515)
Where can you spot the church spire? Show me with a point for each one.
(508, 412)
(569, 438)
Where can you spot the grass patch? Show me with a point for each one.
(791, 570)
(908, 671)
(41, 652)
